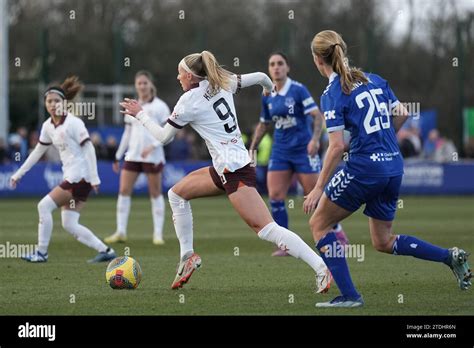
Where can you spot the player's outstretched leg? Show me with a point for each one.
(290, 242)
(455, 258)
(45, 228)
(251, 207)
(70, 222)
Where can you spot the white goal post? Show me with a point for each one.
(4, 70)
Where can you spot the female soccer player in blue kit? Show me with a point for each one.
(298, 123)
(365, 105)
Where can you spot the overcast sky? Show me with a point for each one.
(398, 11)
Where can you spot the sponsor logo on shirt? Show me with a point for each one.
(383, 156)
(284, 122)
(330, 115)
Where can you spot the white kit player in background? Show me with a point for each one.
(79, 165)
(144, 154)
(208, 106)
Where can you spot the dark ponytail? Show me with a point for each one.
(71, 87)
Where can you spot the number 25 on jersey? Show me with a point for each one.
(382, 111)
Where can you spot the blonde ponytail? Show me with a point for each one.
(331, 47)
(205, 65)
(217, 76)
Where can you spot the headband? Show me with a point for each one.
(57, 90)
(185, 66)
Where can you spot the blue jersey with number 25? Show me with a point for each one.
(366, 113)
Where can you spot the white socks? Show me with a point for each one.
(183, 222)
(123, 210)
(45, 225)
(70, 221)
(293, 244)
(158, 213)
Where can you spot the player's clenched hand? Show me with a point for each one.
(311, 200)
(313, 147)
(132, 107)
(116, 166)
(267, 92)
(253, 156)
(95, 188)
(147, 151)
(13, 183)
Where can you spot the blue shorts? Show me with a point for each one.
(298, 163)
(380, 194)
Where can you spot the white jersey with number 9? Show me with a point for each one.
(213, 116)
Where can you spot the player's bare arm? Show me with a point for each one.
(400, 116)
(332, 159)
(313, 145)
(260, 131)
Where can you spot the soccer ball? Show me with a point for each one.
(123, 273)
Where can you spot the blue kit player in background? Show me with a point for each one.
(298, 123)
(364, 105)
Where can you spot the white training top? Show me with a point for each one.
(68, 137)
(215, 119)
(140, 138)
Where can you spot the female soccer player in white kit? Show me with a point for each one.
(208, 106)
(145, 154)
(79, 165)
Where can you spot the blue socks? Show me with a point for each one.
(408, 245)
(279, 213)
(403, 245)
(337, 265)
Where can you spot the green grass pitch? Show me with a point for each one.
(252, 283)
